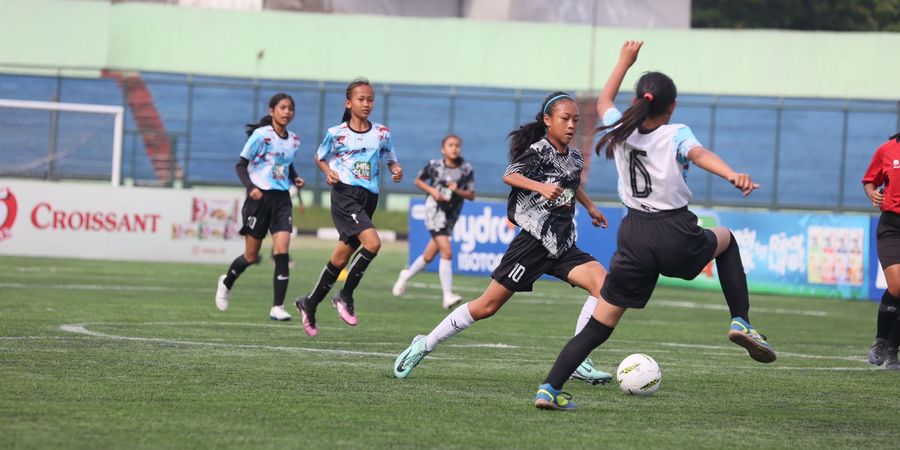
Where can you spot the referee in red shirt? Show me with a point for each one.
(885, 194)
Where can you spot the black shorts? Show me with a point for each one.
(352, 208)
(526, 260)
(442, 232)
(669, 243)
(271, 213)
(888, 239)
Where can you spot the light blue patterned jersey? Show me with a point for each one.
(270, 158)
(355, 156)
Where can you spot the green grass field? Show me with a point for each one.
(135, 355)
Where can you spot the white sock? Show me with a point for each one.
(416, 266)
(586, 312)
(445, 272)
(458, 320)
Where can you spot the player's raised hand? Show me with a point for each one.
(550, 191)
(743, 182)
(629, 53)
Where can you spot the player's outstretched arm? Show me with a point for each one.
(711, 162)
(627, 56)
(597, 217)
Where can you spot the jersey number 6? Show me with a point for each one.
(635, 166)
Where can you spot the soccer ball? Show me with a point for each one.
(638, 374)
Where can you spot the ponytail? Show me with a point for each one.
(531, 132)
(267, 119)
(359, 81)
(654, 92)
(264, 121)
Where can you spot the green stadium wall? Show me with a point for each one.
(327, 47)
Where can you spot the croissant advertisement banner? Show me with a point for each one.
(82, 220)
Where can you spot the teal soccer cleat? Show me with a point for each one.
(556, 400)
(743, 334)
(587, 373)
(410, 357)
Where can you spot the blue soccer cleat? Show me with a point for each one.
(556, 400)
(410, 357)
(743, 334)
(587, 373)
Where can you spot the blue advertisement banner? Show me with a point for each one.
(483, 233)
(810, 254)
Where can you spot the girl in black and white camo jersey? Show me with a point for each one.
(448, 182)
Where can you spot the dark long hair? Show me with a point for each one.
(654, 92)
(267, 119)
(359, 81)
(522, 138)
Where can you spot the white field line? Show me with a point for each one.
(101, 287)
(711, 350)
(80, 329)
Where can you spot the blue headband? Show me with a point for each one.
(550, 102)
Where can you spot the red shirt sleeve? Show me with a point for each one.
(875, 172)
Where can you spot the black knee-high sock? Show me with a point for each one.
(355, 272)
(579, 347)
(888, 313)
(281, 277)
(894, 335)
(236, 269)
(326, 280)
(734, 281)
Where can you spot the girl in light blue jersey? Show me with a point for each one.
(349, 157)
(266, 169)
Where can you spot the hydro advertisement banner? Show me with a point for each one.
(783, 253)
(810, 254)
(483, 233)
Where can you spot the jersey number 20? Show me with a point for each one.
(636, 167)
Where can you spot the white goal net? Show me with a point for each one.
(59, 141)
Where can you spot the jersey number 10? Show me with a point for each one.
(636, 167)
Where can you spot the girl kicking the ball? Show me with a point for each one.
(447, 181)
(349, 157)
(659, 235)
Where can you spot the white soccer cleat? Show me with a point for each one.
(400, 285)
(222, 293)
(278, 313)
(451, 300)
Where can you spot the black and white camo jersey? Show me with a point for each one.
(550, 222)
(439, 176)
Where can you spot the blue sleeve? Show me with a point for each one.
(253, 147)
(684, 142)
(326, 147)
(387, 149)
(611, 116)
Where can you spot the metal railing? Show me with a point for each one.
(203, 117)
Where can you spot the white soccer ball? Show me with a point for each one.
(639, 374)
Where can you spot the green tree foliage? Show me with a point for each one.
(831, 15)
